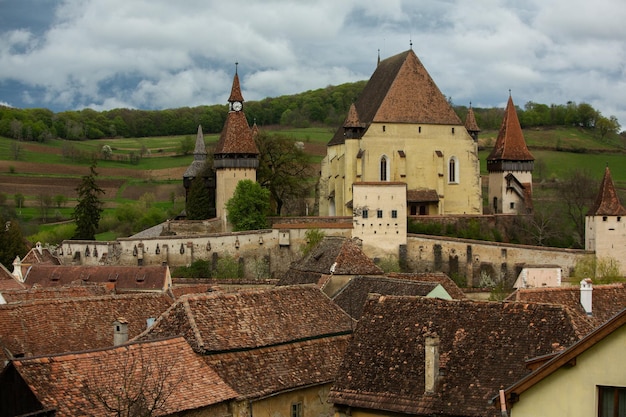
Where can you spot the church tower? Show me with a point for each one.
(236, 154)
(510, 165)
(471, 125)
(605, 224)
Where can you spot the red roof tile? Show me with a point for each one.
(72, 383)
(470, 121)
(510, 144)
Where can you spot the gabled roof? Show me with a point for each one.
(564, 358)
(470, 121)
(422, 196)
(72, 383)
(236, 136)
(401, 91)
(439, 277)
(510, 144)
(74, 290)
(483, 346)
(199, 156)
(341, 254)
(40, 255)
(125, 278)
(44, 327)
(607, 300)
(352, 119)
(352, 297)
(607, 202)
(262, 342)
(8, 281)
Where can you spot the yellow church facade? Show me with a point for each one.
(402, 129)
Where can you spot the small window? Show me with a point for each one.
(611, 401)
(419, 129)
(394, 214)
(296, 410)
(453, 170)
(453, 131)
(384, 168)
(379, 214)
(512, 205)
(604, 218)
(619, 219)
(365, 214)
(384, 128)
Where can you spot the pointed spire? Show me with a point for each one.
(607, 202)
(378, 62)
(510, 145)
(235, 92)
(200, 149)
(470, 122)
(352, 119)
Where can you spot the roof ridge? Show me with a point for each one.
(510, 144)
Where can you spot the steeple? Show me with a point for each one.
(199, 157)
(470, 123)
(235, 91)
(607, 202)
(510, 145)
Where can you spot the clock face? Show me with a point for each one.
(237, 105)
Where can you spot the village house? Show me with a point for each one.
(45, 327)
(145, 378)
(279, 349)
(586, 379)
(423, 356)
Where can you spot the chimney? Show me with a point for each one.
(431, 357)
(120, 331)
(586, 296)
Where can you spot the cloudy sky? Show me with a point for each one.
(154, 54)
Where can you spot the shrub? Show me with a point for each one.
(313, 238)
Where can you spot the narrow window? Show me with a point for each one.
(394, 214)
(365, 214)
(453, 170)
(384, 128)
(379, 214)
(453, 131)
(384, 168)
(512, 205)
(604, 218)
(419, 129)
(296, 410)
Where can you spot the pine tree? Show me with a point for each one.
(89, 208)
(199, 205)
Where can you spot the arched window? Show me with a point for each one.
(384, 168)
(453, 170)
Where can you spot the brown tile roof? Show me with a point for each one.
(562, 359)
(421, 196)
(483, 346)
(43, 327)
(235, 91)
(352, 297)
(343, 253)
(125, 278)
(352, 119)
(439, 277)
(470, 121)
(34, 256)
(74, 290)
(274, 369)
(276, 336)
(607, 300)
(71, 383)
(401, 91)
(510, 144)
(607, 202)
(8, 281)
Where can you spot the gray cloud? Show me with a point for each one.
(162, 54)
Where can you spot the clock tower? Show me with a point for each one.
(236, 155)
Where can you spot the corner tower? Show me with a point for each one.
(236, 154)
(605, 224)
(510, 165)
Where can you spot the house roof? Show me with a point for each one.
(276, 336)
(236, 136)
(564, 358)
(422, 196)
(43, 327)
(607, 300)
(74, 290)
(72, 383)
(607, 201)
(346, 256)
(8, 281)
(510, 144)
(439, 277)
(125, 278)
(40, 255)
(483, 346)
(470, 121)
(352, 297)
(401, 91)
(199, 156)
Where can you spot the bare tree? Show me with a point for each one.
(133, 386)
(577, 191)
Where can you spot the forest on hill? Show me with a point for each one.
(322, 107)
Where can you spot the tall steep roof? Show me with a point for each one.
(470, 121)
(402, 91)
(510, 145)
(607, 202)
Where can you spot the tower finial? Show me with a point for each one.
(236, 65)
(410, 43)
(378, 62)
(509, 92)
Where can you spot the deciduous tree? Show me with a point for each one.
(89, 208)
(578, 191)
(249, 206)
